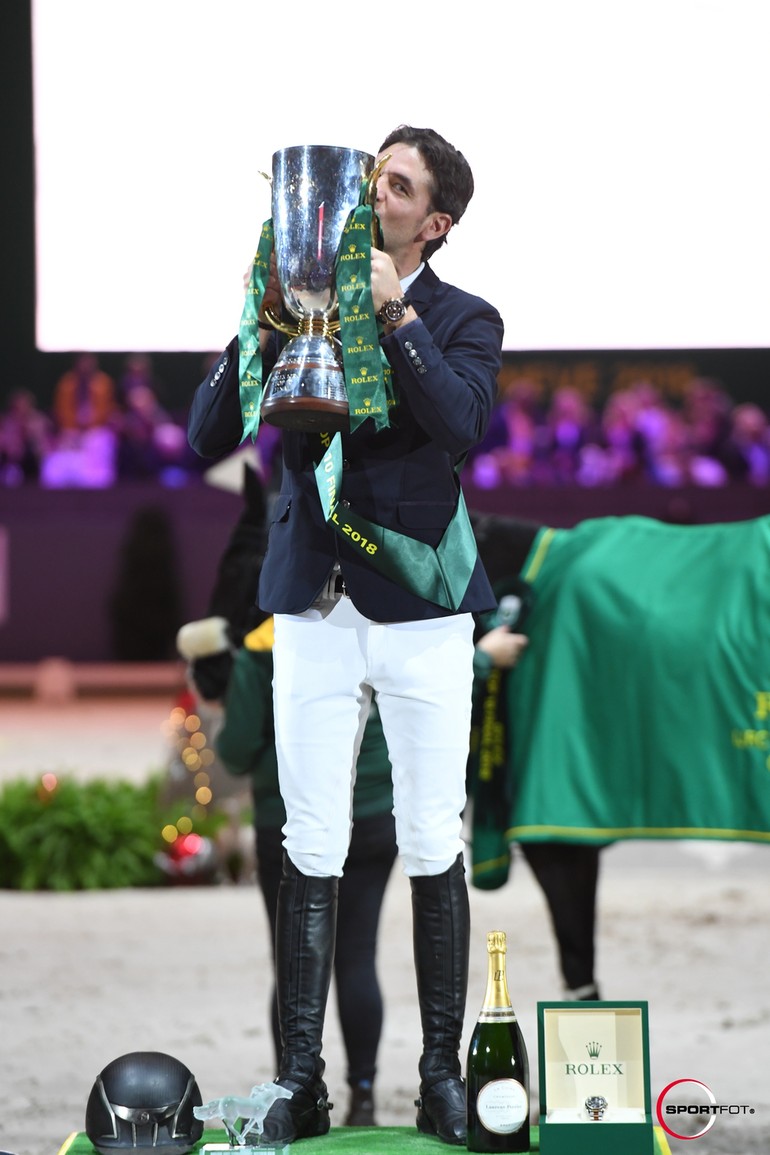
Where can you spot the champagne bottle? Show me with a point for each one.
(497, 1074)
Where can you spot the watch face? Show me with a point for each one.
(393, 310)
(596, 1105)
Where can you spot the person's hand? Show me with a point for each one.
(385, 281)
(272, 298)
(503, 647)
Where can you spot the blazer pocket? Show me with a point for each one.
(281, 507)
(425, 514)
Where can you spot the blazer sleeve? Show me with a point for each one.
(214, 423)
(447, 363)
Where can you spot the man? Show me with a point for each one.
(345, 631)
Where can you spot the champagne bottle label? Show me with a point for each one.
(503, 1106)
(496, 1015)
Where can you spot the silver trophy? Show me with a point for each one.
(314, 189)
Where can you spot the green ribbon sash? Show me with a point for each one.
(249, 355)
(439, 575)
(368, 376)
(489, 783)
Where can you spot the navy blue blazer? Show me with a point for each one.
(445, 367)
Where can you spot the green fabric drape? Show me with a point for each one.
(642, 703)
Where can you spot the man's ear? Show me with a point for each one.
(436, 226)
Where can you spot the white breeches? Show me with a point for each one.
(328, 662)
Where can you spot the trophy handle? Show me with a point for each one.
(370, 197)
(269, 316)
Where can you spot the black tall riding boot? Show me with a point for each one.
(441, 918)
(304, 957)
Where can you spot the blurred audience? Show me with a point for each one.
(138, 373)
(150, 442)
(84, 397)
(85, 409)
(97, 433)
(571, 427)
(26, 436)
(101, 432)
(636, 436)
(515, 439)
(747, 450)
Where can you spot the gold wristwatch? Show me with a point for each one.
(393, 310)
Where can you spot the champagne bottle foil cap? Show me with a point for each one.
(496, 941)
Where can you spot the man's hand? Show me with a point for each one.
(503, 647)
(386, 286)
(272, 299)
(385, 282)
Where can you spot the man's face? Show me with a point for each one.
(404, 202)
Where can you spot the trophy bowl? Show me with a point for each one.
(314, 189)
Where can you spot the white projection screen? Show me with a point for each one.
(619, 150)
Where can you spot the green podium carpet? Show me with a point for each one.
(351, 1141)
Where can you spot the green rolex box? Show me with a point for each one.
(594, 1068)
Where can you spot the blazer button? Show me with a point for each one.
(345, 503)
(346, 464)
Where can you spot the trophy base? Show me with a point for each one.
(306, 389)
(307, 414)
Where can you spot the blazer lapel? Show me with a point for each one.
(421, 291)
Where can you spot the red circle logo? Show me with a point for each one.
(688, 1112)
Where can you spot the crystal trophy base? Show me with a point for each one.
(243, 1120)
(246, 1148)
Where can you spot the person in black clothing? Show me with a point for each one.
(567, 872)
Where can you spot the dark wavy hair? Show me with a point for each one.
(450, 173)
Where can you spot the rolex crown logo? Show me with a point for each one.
(359, 340)
(351, 248)
(367, 402)
(593, 1049)
(356, 308)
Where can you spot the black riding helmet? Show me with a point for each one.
(144, 1100)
